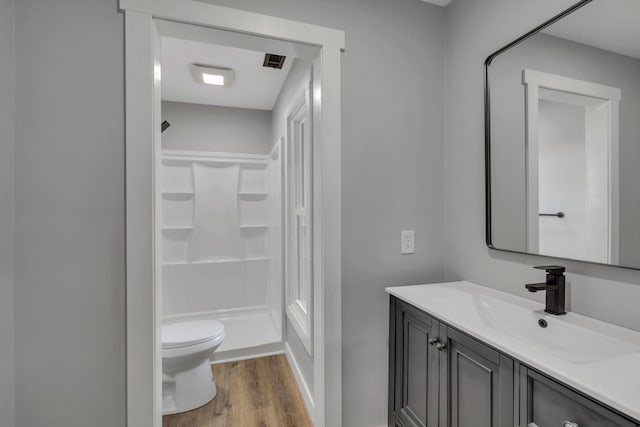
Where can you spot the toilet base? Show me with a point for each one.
(188, 390)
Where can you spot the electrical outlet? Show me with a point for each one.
(408, 242)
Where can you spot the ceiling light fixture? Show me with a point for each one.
(214, 76)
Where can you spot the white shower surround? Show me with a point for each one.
(221, 244)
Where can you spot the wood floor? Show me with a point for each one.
(251, 393)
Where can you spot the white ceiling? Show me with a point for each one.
(606, 24)
(443, 3)
(255, 86)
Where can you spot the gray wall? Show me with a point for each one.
(391, 172)
(290, 89)
(566, 58)
(7, 147)
(606, 293)
(213, 128)
(69, 248)
(69, 299)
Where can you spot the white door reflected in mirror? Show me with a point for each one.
(572, 156)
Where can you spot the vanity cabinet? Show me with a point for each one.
(441, 377)
(545, 402)
(415, 365)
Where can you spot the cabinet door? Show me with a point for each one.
(545, 402)
(413, 368)
(477, 383)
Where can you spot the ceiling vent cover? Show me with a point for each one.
(273, 61)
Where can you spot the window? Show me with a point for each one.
(299, 253)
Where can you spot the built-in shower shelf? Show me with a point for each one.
(254, 226)
(216, 261)
(260, 258)
(178, 160)
(253, 195)
(178, 195)
(182, 228)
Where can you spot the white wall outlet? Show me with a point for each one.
(408, 243)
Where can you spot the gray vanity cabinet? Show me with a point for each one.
(544, 402)
(413, 385)
(440, 377)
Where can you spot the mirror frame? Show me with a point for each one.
(487, 135)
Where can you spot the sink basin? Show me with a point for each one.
(597, 358)
(560, 337)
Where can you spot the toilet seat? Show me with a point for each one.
(191, 333)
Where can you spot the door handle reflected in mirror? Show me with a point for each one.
(569, 424)
(558, 214)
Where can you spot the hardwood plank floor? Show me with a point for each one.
(251, 393)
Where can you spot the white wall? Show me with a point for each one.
(213, 128)
(7, 160)
(606, 293)
(69, 248)
(275, 236)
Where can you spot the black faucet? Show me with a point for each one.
(554, 286)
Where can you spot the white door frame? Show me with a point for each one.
(534, 80)
(142, 103)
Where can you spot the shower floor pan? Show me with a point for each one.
(248, 333)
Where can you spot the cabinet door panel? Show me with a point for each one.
(413, 387)
(416, 369)
(547, 403)
(471, 385)
(479, 391)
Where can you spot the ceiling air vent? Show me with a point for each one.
(273, 61)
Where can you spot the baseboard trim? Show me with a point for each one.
(307, 395)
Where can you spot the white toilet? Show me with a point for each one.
(187, 381)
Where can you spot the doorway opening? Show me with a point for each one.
(572, 156)
(235, 214)
(143, 78)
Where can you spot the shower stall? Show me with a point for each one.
(221, 245)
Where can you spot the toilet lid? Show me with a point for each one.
(184, 334)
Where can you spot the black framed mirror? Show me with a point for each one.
(562, 135)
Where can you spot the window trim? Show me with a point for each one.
(299, 207)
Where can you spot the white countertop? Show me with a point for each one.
(602, 360)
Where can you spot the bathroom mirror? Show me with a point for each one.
(563, 137)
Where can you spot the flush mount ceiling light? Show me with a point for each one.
(214, 76)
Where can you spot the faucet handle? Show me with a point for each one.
(555, 270)
(535, 287)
